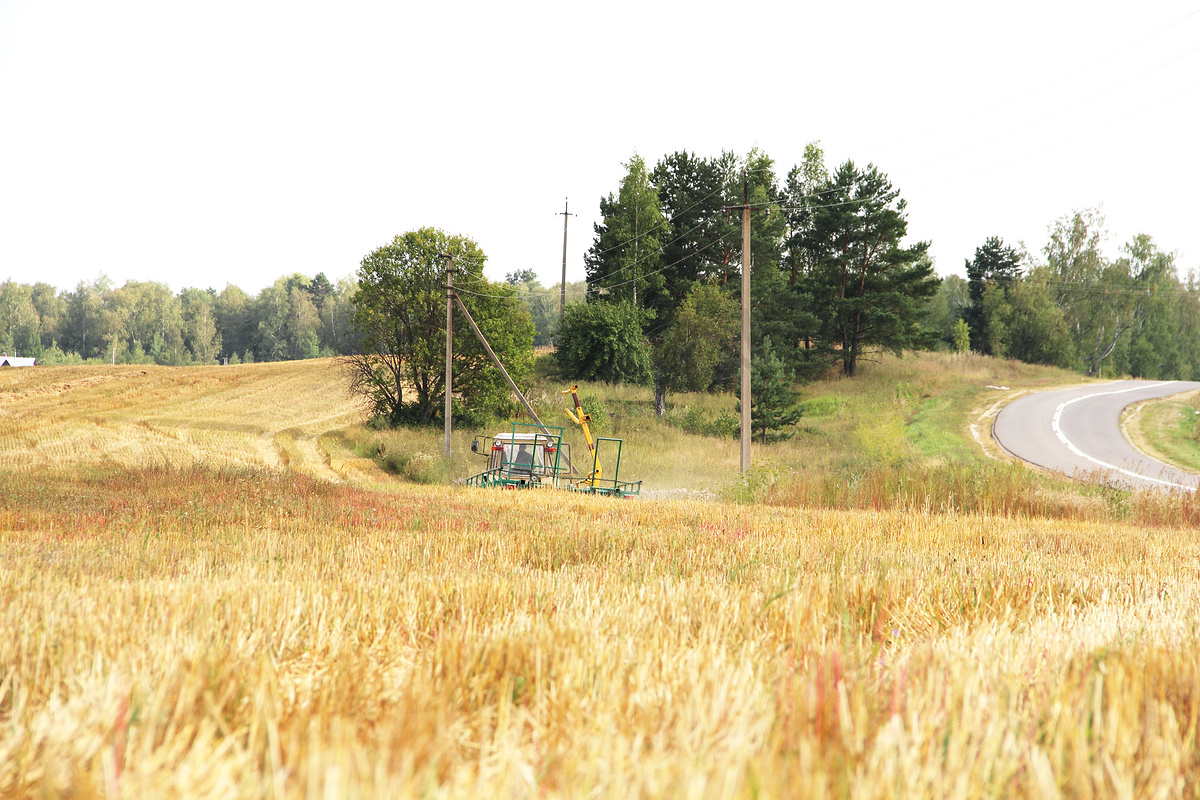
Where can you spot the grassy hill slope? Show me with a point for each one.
(915, 410)
(909, 432)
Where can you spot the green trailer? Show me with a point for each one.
(535, 457)
(530, 457)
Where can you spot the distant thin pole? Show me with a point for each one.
(562, 289)
(449, 343)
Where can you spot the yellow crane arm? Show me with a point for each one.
(582, 419)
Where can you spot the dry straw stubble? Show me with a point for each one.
(302, 639)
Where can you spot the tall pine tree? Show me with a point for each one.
(872, 290)
(773, 406)
(993, 263)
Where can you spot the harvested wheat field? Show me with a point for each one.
(255, 415)
(201, 621)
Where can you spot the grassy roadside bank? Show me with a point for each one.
(1168, 429)
(914, 411)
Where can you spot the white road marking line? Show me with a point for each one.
(1055, 423)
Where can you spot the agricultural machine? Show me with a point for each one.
(535, 456)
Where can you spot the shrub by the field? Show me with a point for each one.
(401, 451)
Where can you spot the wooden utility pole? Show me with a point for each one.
(449, 342)
(745, 324)
(562, 290)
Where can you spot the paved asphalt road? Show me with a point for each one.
(1078, 431)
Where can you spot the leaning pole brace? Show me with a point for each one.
(504, 372)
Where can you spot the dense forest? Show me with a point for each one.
(835, 280)
(1072, 306)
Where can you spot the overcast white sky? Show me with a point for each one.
(201, 144)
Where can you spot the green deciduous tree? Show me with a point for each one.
(543, 302)
(962, 336)
(625, 259)
(51, 307)
(1025, 323)
(289, 323)
(235, 320)
(604, 342)
(20, 325)
(153, 321)
(200, 335)
(804, 181)
(1157, 346)
(303, 325)
(1097, 296)
(271, 309)
(338, 336)
(702, 334)
(90, 320)
(400, 314)
(946, 309)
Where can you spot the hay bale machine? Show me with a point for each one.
(533, 456)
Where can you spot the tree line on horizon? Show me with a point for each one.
(1074, 307)
(144, 322)
(833, 283)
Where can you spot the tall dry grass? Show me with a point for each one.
(247, 634)
(1007, 490)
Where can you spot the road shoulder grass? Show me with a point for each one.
(1167, 429)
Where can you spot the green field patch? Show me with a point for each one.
(825, 406)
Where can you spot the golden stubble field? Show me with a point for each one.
(253, 415)
(241, 628)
